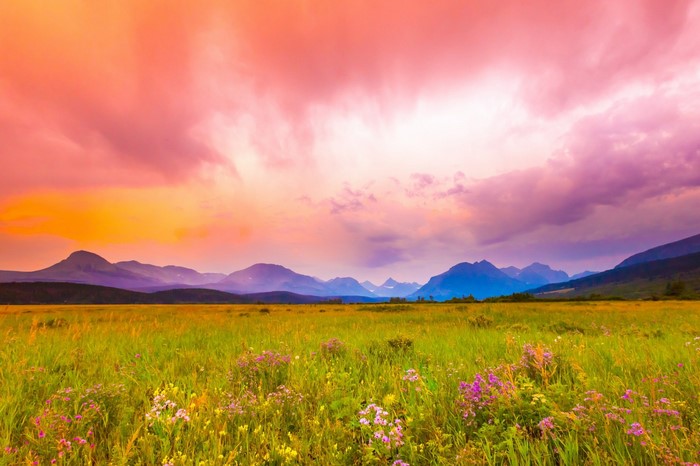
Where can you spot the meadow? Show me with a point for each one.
(502, 383)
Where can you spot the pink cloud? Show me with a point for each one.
(132, 86)
(101, 91)
(350, 200)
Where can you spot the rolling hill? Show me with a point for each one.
(76, 293)
(640, 280)
(682, 247)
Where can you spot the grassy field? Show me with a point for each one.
(541, 383)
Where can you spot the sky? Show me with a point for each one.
(359, 138)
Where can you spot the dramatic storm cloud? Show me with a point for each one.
(366, 138)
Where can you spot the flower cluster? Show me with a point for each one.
(636, 429)
(481, 393)
(538, 362)
(414, 379)
(239, 405)
(332, 347)
(384, 431)
(412, 375)
(268, 366)
(284, 395)
(595, 410)
(163, 409)
(546, 425)
(66, 426)
(259, 362)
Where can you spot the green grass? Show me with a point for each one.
(540, 383)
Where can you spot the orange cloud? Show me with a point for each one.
(101, 216)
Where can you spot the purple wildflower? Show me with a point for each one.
(411, 375)
(636, 429)
(390, 433)
(546, 425)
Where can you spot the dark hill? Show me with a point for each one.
(76, 293)
(641, 280)
(679, 248)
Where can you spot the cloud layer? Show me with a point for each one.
(377, 114)
(635, 151)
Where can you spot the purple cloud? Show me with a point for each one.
(637, 150)
(351, 200)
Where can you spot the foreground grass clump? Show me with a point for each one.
(535, 383)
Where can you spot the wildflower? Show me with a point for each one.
(389, 432)
(400, 463)
(482, 393)
(284, 395)
(667, 412)
(538, 357)
(546, 425)
(180, 414)
(63, 443)
(411, 375)
(389, 399)
(593, 396)
(332, 347)
(628, 395)
(636, 429)
(42, 434)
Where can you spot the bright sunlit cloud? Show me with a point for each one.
(354, 138)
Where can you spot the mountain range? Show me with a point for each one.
(536, 274)
(87, 268)
(648, 274)
(480, 279)
(666, 251)
(637, 281)
(391, 288)
(641, 275)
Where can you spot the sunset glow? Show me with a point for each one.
(370, 139)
